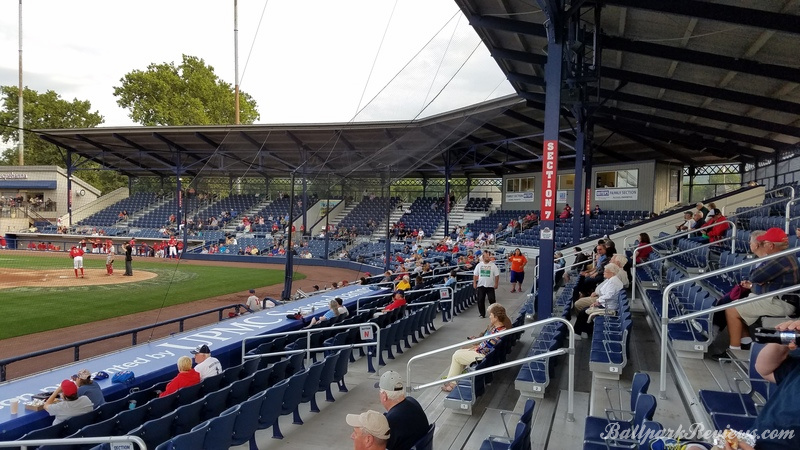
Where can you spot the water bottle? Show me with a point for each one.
(132, 404)
(773, 336)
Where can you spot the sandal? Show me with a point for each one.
(448, 387)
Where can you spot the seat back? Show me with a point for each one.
(239, 391)
(187, 416)
(247, 421)
(214, 403)
(645, 408)
(279, 370)
(191, 440)
(311, 384)
(211, 384)
(640, 384)
(219, 433)
(294, 392)
(295, 364)
(326, 377)
(426, 441)
(155, 432)
(272, 397)
(650, 428)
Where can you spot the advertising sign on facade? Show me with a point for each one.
(616, 194)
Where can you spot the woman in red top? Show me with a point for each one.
(186, 377)
(644, 252)
(518, 262)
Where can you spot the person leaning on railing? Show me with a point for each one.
(771, 275)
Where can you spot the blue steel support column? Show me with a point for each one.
(388, 197)
(70, 170)
(579, 222)
(289, 269)
(553, 11)
(304, 225)
(447, 205)
(179, 195)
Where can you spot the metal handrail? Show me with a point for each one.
(358, 300)
(672, 237)
(789, 213)
(570, 351)
(33, 443)
(132, 331)
(670, 287)
(307, 331)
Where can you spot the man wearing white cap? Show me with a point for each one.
(370, 430)
(207, 365)
(405, 415)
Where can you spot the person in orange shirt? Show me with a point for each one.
(518, 262)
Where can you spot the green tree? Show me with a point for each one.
(188, 94)
(48, 110)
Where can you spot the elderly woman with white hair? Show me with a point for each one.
(605, 296)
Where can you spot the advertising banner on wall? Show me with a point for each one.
(616, 194)
(562, 197)
(517, 197)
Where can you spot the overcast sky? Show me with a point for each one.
(310, 61)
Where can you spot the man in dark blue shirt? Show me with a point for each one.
(407, 420)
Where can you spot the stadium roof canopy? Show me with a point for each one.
(683, 81)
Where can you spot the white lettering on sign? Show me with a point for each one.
(13, 176)
(549, 174)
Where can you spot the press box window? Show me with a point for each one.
(618, 179)
(519, 185)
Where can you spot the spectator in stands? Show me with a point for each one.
(398, 301)
(605, 298)
(498, 321)
(89, 388)
(721, 226)
(407, 420)
(186, 377)
(644, 248)
(207, 365)
(404, 284)
(370, 430)
(580, 257)
(71, 405)
(566, 212)
(589, 279)
(712, 208)
(597, 210)
(699, 222)
(779, 364)
(452, 279)
(331, 313)
(485, 280)
(518, 261)
(701, 209)
(687, 224)
(343, 311)
(768, 276)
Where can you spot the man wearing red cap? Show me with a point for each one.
(768, 276)
(70, 406)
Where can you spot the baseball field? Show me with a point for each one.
(39, 291)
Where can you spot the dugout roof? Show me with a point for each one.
(683, 81)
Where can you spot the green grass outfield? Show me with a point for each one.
(27, 310)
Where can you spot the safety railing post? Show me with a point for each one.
(670, 287)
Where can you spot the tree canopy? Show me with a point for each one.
(187, 94)
(49, 110)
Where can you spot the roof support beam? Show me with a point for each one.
(666, 83)
(116, 155)
(262, 147)
(756, 18)
(146, 151)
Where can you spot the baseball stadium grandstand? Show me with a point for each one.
(647, 168)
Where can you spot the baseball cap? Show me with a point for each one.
(390, 381)
(252, 291)
(773, 235)
(69, 388)
(201, 349)
(84, 374)
(372, 422)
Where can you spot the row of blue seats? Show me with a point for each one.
(520, 439)
(611, 340)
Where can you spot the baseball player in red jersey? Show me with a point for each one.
(76, 253)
